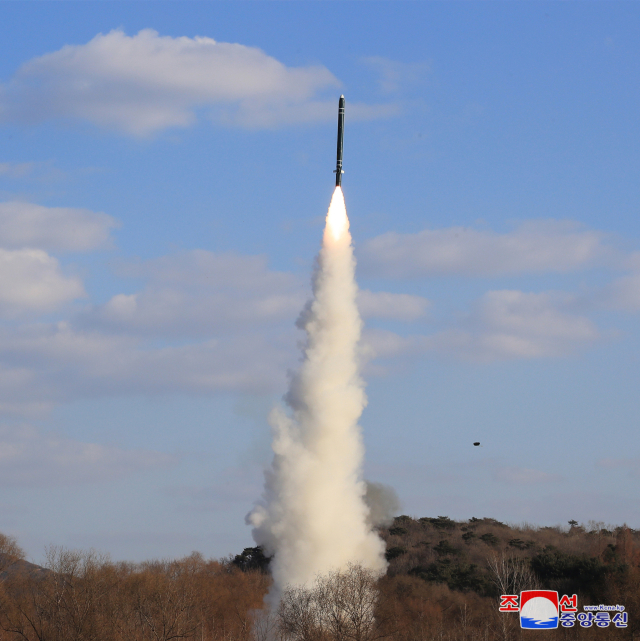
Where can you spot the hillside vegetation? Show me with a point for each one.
(443, 582)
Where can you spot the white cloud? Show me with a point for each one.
(403, 307)
(16, 169)
(26, 225)
(147, 82)
(512, 324)
(382, 350)
(623, 293)
(33, 458)
(32, 281)
(42, 365)
(533, 247)
(526, 324)
(503, 324)
(380, 343)
(200, 293)
(630, 464)
(203, 323)
(257, 114)
(395, 75)
(199, 267)
(45, 364)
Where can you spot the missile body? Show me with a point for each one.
(338, 170)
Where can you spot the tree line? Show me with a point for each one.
(443, 582)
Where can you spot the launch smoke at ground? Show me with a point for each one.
(313, 517)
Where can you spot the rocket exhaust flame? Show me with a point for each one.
(312, 517)
(337, 223)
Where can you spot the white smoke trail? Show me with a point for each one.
(313, 517)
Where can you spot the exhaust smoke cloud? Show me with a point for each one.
(313, 517)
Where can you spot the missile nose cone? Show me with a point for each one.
(342, 97)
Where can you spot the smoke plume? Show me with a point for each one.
(383, 504)
(313, 517)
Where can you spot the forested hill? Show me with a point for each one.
(462, 555)
(447, 575)
(443, 582)
(466, 555)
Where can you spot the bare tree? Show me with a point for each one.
(340, 606)
(165, 601)
(10, 552)
(347, 603)
(264, 625)
(510, 574)
(78, 588)
(299, 615)
(62, 603)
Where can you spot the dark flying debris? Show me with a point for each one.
(477, 443)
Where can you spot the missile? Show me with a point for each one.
(338, 170)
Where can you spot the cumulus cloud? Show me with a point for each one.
(244, 345)
(508, 324)
(403, 307)
(147, 82)
(503, 324)
(25, 225)
(385, 344)
(16, 169)
(395, 75)
(623, 293)
(199, 267)
(533, 247)
(32, 281)
(44, 364)
(382, 350)
(201, 293)
(29, 457)
(531, 325)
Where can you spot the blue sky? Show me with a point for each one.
(165, 170)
